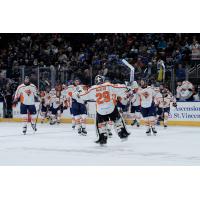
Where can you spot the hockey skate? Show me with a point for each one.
(138, 124)
(102, 139)
(148, 132)
(79, 131)
(84, 132)
(73, 127)
(52, 122)
(154, 131)
(33, 127)
(24, 130)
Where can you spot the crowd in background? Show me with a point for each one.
(86, 55)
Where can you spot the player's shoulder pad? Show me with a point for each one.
(21, 86)
(32, 85)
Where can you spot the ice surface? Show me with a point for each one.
(60, 145)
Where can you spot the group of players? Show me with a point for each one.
(113, 103)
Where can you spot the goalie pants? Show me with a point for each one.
(109, 117)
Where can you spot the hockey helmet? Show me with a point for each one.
(77, 81)
(99, 79)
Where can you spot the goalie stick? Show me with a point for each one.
(131, 68)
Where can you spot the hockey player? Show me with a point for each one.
(45, 102)
(109, 125)
(163, 101)
(105, 96)
(69, 91)
(135, 104)
(26, 94)
(64, 97)
(148, 110)
(158, 94)
(56, 103)
(122, 105)
(78, 108)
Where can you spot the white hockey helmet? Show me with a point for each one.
(134, 85)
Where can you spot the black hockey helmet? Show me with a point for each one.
(99, 79)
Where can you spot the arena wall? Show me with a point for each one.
(186, 114)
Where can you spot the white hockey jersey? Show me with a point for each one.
(135, 98)
(55, 101)
(79, 89)
(45, 98)
(26, 94)
(69, 91)
(164, 102)
(147, 97)
(105, 96)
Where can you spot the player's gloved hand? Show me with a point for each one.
(174, 104)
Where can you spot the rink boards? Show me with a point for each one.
(186, 114)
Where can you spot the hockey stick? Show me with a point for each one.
(123, 122)
(131, 68)
(128, 64)
(96, 127)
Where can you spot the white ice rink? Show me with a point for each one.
(60, 145)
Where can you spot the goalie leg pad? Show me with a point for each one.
(102, 127)
(102, 130)
(120, 128)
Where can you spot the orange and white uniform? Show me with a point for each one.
(26, 94)
(164, 102)
(45, 98)
(69, 92)
(147, 97)
(105, 96)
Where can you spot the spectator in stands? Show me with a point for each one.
(186, 91)
(180, 73)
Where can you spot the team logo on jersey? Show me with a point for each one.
(146, 94)
(28, 92)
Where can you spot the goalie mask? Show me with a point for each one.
(99, 79)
